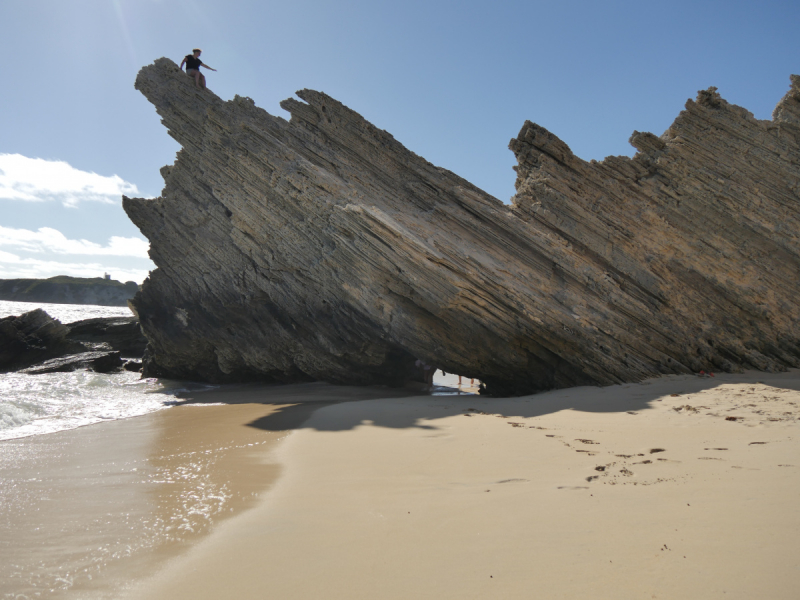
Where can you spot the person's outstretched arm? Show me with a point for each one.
(182, 63)
(207, 67)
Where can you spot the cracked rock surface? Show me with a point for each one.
(322, 249)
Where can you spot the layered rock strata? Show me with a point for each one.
(322, 249)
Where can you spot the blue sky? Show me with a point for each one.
(453, 81)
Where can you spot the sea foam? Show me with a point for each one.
(39, 404)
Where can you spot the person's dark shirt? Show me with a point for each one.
(192, 62)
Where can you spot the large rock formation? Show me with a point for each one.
(321, 248)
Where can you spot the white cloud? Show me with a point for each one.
(15, 267)
(46, 239)
(39, 180)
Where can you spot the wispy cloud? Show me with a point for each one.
(46, 239)
(39, 180)
(16, 267)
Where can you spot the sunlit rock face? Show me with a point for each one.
(322, 249)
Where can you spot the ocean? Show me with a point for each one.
(41, 404)
(78, 502)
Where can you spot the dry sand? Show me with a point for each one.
(648, 490)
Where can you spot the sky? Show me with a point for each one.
(452, 81)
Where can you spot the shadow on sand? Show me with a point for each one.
(293, 405)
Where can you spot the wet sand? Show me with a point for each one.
(86, 512)
(680, 487)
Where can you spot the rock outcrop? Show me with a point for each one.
(35, 343)
(115, 333)
(321, 248)
(97, 361)
(31, 338)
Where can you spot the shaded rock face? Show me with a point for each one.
(321, 248)
(117, 333)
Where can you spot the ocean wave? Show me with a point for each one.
(39, 404)
(12, 416)
(66, 313)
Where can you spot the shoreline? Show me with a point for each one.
(326, 491)
(615, 492)
(90, 509)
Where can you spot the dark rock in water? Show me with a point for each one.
(118, 333)
(106, 362)
(36, 343)
(100, 362)
(32, 337)
(133, 365)
(321, 248)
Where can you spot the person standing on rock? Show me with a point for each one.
(193, 64)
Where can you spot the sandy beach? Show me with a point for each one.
(678, 487)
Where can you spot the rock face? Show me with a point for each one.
(321, 248)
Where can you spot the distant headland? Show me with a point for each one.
(62, 289)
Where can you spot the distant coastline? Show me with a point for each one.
(63, 289)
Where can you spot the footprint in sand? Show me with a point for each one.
(586, 441)
(513, 481)
(573, 487)
(654, 450)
